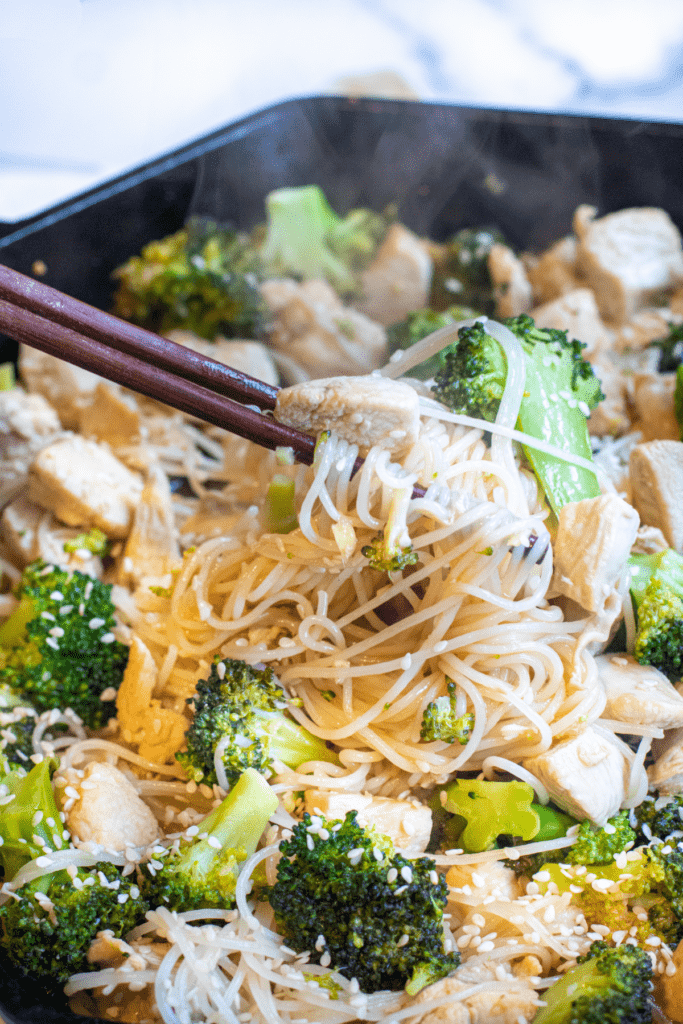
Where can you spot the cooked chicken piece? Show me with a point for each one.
(30, 532)
(510, 284)
(66, 387)
(638, 693)
(676, 302)
(627, 258)
(554, 272)
(85, 485)
(653, 400)
(594, 539)
(649, 541)
(577, 313)
(25, 417)
(611, 415)
(666, 774)
(398, 279)
(246, 356)
(648, 325)
(362, 410)
(515, 1004)
(151, 550)
(668, 992)
(656, 474)
(156, 731)
(318, 333)
(528, 967)
(111, 415)
(108, 810)
(585, 776)
(490, 878)
(407, 825)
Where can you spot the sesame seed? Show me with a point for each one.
(96, 623)
(406, 874)
(309, 842)
(51, 642)
(403, 941)
(214, 843)
(325, 960)
(433, 878)
(56, 596)
(392, 875)
(401, 889)
(107, 638)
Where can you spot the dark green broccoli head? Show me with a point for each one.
(47, 932)
(388, 556)
(58, 648)
(461, 270)
(608, 986)
(203, 279)
(657, 594)
(241, 708)
(659, 818)
(472, 379)
(202, 871)
(441, 721)
(418, 325)
(600, 845)
(16, 737)
(343, 893)
(94, 541)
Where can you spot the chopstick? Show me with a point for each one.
(49, 320)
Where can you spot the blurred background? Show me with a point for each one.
(90, 88)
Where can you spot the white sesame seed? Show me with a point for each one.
(406, 874)
(403, 941)
(392, 875)
(107, 638)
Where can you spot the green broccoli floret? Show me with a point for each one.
(657, 595)
(202, 872)
(16, 737)
(608, 984)
(343, 893)
(561, 389)
(57, 648)
(94, 541)
(391, 550)
(440, 720)
(418, 325)
(461, 270)
(305, 238)
(48, 926)
(594, 844)
(242, 709)
(486, 810)
(661, 819)
(203, 279)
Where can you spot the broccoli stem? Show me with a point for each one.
(31, 814)
(14, 628)
(294, 745)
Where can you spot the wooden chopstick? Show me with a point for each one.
(49, 320)
(52, 305)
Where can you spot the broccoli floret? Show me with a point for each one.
(16, 736)
(487, 810)
(561, 389)
(94, 541)
(461, 269)
(47, 927)
(305, 238)
(344, 893)
(57, 648)
(391, 550)
(608, 984)
(440, 720)
(418, 325)
(657, 595)
(241, 709)
(203, 279)
(660, 820)
(202, 872)
(594, 844)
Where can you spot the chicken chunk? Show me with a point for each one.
(638, 693)
(30, 532)
(157, 731)
(577, 313)
(656, 474)
(151, 550)
(108, 810)
(516, 1003)
(510, 284)
(669, 989)
(362, 410)
(647, 325)
(85, 485)
(585, 776)
(649, 541)
(554, 272)
(653, 400)
(111, 415)
(611, 417)
(316, 332)
(398, 279)
(627, 258)
(66, 387)
(250, 357)
(26, 417)
(490, 878)
(594, 539)
(666, 774)
(408, 826)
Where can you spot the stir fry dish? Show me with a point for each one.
(284, 744)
